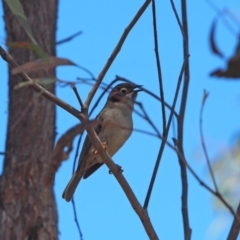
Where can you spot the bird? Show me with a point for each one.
(114, 127)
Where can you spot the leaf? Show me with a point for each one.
(213, 44)
(35, 48)
(39, 52)
(69, 38)
(22, 84)
(233, 68)
(17, 9)
(45, 80)
(41, 81)
(40, 64)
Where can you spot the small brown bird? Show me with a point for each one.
(115, 128)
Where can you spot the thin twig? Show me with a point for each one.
(235, 228)
(160, 152)
(77, 152)
(88, 72)
(76, 219)
(205, 95)
(160, 80)
(177, 17)
(73, 201)
(116, 51)
(186, 225)
(147, 118)
(78, 96)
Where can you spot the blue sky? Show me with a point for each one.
(103, 210)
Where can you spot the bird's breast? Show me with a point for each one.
(117, 129)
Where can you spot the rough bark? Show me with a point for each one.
(27, 202)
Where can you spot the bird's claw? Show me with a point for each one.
(104, 146)
(120, 170)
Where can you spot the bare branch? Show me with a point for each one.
(78, 96)
(166, 131)
(235, 228)
(115, 52)
(146, 117)
(205, 95)
(177, 17)
(76, 219)
(160, 80)
(187, 229)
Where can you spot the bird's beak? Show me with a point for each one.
(135, 91)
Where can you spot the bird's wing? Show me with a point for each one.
(91, 170)
(87, 143)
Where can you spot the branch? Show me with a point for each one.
(158, 64)
(205, 95)
(187, 229)
(115, 52)
(235, 228)
(143, 214)
(42, 91)
(76, 220)
(178, 19)
(146, 117)
(166, 131)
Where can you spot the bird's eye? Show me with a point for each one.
(123, 90)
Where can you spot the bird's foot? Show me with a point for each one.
(120, 170)
(104, 146)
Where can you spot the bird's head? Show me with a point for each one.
(124, 91)
(124, 95)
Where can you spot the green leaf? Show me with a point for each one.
(45, 80)
(17, 9)
(41, 81)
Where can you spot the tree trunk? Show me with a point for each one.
(27, 202)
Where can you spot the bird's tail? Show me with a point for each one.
(71, 187)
